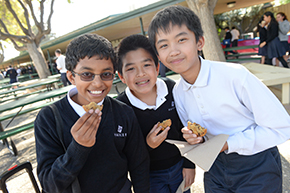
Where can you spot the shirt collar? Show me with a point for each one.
(77, 108)
(202, 77)
(162, 92)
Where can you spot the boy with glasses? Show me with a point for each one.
(101, 146)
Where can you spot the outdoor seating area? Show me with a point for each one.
(76, 66)
(245, 53)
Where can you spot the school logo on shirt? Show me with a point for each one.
(120, 134)
(172, 106)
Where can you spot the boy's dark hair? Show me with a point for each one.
(132, 43)
(227, 28)
(233, 27)
(88, 45)
(58, 51)
(175, 15)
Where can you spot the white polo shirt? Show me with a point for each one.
(162, 92)
(227, 99)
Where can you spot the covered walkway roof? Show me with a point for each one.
(118, 26)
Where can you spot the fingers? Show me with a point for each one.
(155, 137)
(85, 129)
(189, 175)
(190, 137)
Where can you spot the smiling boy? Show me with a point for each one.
(225, 98)
(102, 147)
(152, 101)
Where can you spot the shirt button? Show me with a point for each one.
(201, 106)
(198, 96)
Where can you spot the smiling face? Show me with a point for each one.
(178, 50)
(95, 90)
(139, 72)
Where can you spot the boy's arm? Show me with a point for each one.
(138, 158)
(272, 121)
(56, 168)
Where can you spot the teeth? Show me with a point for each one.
(96, 92)
(142, 82)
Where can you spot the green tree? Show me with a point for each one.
(17, 20)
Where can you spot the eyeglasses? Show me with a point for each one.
(87, 76)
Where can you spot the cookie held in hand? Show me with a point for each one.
(165, 123)
(93, 106)
(196, 129)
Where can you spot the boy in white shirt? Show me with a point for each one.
(225, 98)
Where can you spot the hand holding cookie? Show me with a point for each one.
(84, 131)
(193, 133)
(155, 137)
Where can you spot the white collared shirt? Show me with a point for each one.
(227, 99)
(77, 108)
(162, 92)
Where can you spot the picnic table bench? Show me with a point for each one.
(4, 134)
(272, 75)
(46, 82)
(253, 52)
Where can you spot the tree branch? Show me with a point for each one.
(47, 31)
(9, 7)
(28, 2)
(26, 18)
(17, 47)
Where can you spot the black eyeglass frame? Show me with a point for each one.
(93, 76)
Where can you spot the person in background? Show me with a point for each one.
(284, 28)
(261, 28)
(275, 48)
(235, 37)
(12, 74)
(227, 40)
(60, 62)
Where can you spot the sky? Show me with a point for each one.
(68, 17)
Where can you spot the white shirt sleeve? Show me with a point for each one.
(272, 121)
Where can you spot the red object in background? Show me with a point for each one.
(248, 42)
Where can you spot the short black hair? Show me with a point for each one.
(227, 28)
(58, 51)
(175, 15)
(88, 45)
(132, 43)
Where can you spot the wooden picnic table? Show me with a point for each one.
(46, 82)
(271, 75)
(34, 99)
(20, 78)
(20, 104)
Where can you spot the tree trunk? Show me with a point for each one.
(37, 57)
(212, 49)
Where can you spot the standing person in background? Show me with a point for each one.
(227, 40)
(275, 48)
(284, 27)
(60, 62)
(12, 74)
(235, 37)
(263, 37)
